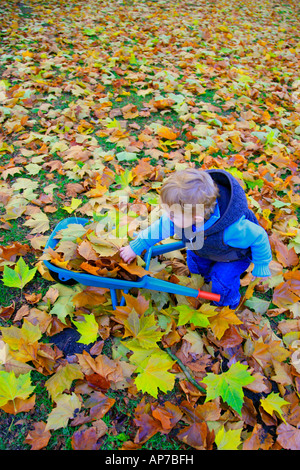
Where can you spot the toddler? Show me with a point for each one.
(208, 209)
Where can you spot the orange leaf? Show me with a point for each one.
(91, 296)
(162, 104)
(19, 405)
(90, 269)
(166, 133)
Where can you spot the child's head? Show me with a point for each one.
(189, 196)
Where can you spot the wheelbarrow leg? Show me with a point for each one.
(123, 301)
(114, 300)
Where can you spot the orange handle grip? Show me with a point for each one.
(208, 295)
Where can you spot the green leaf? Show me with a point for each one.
(18, 277)
(88, 329)
(253, 184)
(124, 178)
(71, 233)
(258, 305)
(229, 385)
(12, 387)
(188, 314)
(126, 156)
(89, 32)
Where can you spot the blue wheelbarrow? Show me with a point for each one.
(66, 276)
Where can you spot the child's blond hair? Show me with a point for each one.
(190, 186)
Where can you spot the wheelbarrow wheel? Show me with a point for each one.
(69, 282)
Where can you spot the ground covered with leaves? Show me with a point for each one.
(99, 102)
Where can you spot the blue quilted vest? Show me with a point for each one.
(233, 205)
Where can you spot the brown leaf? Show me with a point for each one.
(209, 411)
(148, 427)
(287, 257)
(288, 436)
(168, 415)
(87, 252)
(6, 312)
(197, 436)
(33, 298)
(99, 405)
(72, 189)
(259, 439)
(98, 382)
(288, 293)
(133, 268)
(90, 297)
(38, 438)
(85, 439)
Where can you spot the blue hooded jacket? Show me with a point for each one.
(231, 233)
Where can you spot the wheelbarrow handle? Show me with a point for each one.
(208, 295)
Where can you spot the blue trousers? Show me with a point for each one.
(225, 277)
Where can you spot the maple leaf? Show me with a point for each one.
(143, 329)
(22, 342)
(197, 436)
(88, 329)
(166, 133)
(75, 203)
(18, 277)
(229, 385)
(86, 439)
(66, 405)
(12, 387)
(38, 438)
(63, 306)
(153, 374)
(39, 223)
(228, 440)
(62, 380)
(273, 403)
(189, 315)
(222, 321)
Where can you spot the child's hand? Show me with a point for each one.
(127, 254)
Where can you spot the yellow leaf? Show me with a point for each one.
(228, 440)
(65, 408)
(222, 321)
(39, 223)
(75, 203)
(273, 403)
(154, 375)
(62, 379)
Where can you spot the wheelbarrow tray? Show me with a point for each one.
(145, 282)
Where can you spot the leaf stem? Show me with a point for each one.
(186, 371)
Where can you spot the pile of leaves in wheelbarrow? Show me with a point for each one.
(94, 250)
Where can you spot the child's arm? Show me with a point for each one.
(159, 230)
(245, 234)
